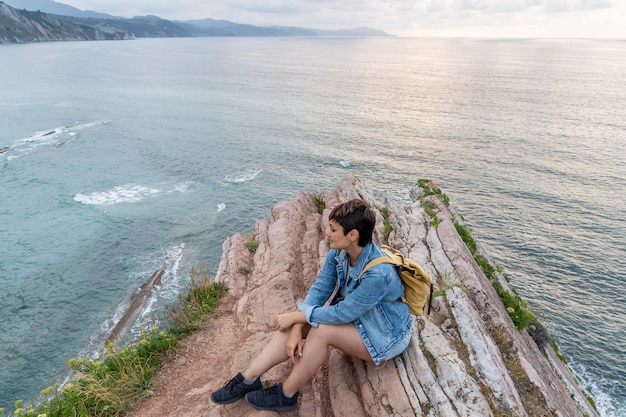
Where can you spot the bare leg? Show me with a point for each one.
(344, 337)
(273, 353)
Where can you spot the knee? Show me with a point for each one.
(320, 333)
(279, 337)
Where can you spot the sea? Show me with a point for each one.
(120, 157)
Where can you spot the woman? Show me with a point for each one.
(366, 319)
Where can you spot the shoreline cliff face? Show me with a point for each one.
(22, 26)
(465, 359)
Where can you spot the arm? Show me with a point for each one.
(296, 321)
(287, 320)
(361, 298)
(294, 342)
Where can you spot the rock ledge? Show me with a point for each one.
(465, 359)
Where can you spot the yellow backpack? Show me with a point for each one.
(418, 287)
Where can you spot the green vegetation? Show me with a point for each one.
(109, 386)
(252, 245)
(429, 206)
(431, 209)
(429, 189)
(591, 400)
(440, 292)
(557, 351)
(466, 235)
(320, 204)
(202, 297)
(244, 269)
(515, 306)
(385, 212)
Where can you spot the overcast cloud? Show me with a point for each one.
(484, 18)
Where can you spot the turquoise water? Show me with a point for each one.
(118, 157)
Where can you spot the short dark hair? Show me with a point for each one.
(355, 214)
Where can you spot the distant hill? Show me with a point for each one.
(362, 31)
(213, 27)
(18, 26)
(46, 20)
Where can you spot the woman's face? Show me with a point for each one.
(336, 237)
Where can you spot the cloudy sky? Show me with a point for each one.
(482, 18)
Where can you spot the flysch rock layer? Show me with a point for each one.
(465, 359)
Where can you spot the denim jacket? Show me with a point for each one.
(381, 322)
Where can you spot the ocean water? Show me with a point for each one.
(119, 157)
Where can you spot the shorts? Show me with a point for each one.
(399, 347)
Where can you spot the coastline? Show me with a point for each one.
(138, 300)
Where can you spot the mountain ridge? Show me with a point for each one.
(21, 26)
(25, 23)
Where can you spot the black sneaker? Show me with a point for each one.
(234, 390)
(273, 399)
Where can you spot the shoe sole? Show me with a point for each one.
(225, 402)
(284, 409)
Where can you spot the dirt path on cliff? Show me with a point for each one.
(183, 385)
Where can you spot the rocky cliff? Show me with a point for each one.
(19, 26)
(466, 358)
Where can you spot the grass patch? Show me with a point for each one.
(440, 292)
(591, 400)
(516, 307)
(466, 235)
(320, 205)
(428, 188)
(557, 351)
(385, 212)
(431, 209)
(202, 297)
(252, 245)
(108, 387)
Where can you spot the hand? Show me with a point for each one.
(294, 343)
(283, 321)
(286, 320)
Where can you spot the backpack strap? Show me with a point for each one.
(378, 261)
(374, 262)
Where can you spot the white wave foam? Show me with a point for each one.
(221, 207)
(129, 193)
(54, 137)
(245, 177)
(344, 163)
(167, 291)
(599, 389)
(44, 136)
(83, 126)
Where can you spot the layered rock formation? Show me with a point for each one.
(465, 359)
(19, 26)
